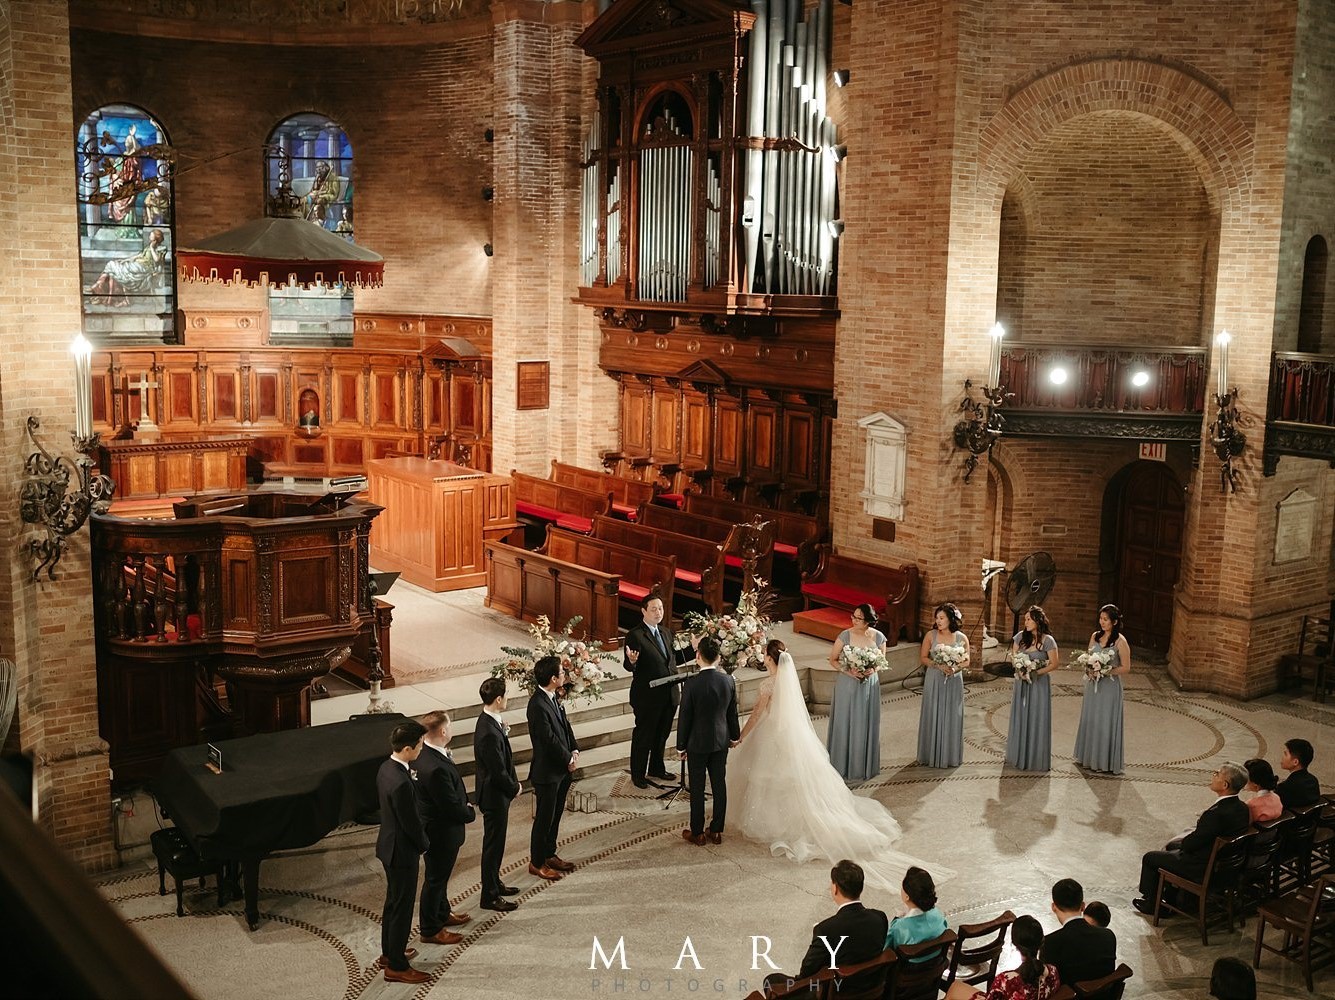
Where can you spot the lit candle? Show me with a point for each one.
(994, 356)
(1222, 340)
(83, 404)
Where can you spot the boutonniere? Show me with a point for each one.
(505, 728)
(412, 774)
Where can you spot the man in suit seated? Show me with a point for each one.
(1189, 854)
(1300, 788)
(1080, 950)
(853, 934)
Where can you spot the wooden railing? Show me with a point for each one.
(1102, 379)
(1302, 388)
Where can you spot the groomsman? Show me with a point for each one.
(400, 843)
(444, 807)
(649, 656)
(555, 757)
(496, 786)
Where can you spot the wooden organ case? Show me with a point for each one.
(709, 237)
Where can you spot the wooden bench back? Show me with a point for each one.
(733, 537)
(627, 492)
(566, 499)
(801, 531)
(646, 569)
(528, 585)
(695, 555)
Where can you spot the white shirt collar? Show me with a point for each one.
(714, 666)
(848, 902)
(406, 766)
(440, 750)
(1078, 916)
(913, 911)
(495, 715)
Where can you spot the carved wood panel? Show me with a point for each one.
(696, 428)
(635, 419)
(666, 437)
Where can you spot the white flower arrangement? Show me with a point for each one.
(741, 634)
(952, 656)
(1026, 667)
(1097, 664)
(582, 677)
(863, 660)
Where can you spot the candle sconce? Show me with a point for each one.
(46, 498)
(978, 431)
(1228, 442)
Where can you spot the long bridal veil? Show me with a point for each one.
(783, 791)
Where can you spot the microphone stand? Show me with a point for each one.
(669, 794)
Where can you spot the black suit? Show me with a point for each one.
(708, 723)
(1188, 856)
(400, 843)
(443, 805)
(865, 929)
(549, 774)
(1299, 789)
(653, 707)
(1081, 952)
(496, 785)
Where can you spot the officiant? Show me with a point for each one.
(649, 656)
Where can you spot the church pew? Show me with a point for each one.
(757, 536)
(529, 584)
(840, 584)
(797, 537)
(628, 495)
(642, 573)
(700, 565)
(565, 506)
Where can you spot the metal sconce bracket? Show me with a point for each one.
(978, 431)
(47, 500)
(1228, 442)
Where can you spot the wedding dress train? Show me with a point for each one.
(783, 791)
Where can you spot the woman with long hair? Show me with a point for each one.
(783, 791)
(1029, 738)
(1033, 980)
(944, 654)
(1098, 741)
(854, 734)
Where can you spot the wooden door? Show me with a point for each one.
(1149, 551)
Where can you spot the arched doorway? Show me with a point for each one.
(1147, 549)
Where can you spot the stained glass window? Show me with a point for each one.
(321, 163)
(123, 162)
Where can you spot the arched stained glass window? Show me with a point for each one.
(321, 163)
(127, 239)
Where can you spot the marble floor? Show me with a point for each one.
(1007, 835)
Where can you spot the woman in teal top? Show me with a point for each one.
(922, 921)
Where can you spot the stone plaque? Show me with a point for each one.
(1295, 521)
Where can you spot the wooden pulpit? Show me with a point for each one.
(436, 517)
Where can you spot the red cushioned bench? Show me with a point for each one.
(628, 495)
(840, 584)
(565, 506)
(639, 573)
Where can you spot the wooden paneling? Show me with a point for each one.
(635, 420)
(728, 439)
(226, 398)
(529, 585)
(696, 427)
(267, 398)
(182, 396)
(666, 438)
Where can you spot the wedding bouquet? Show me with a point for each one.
(1025, 666)
(864, 660)
(1097, 664)
(741, 634)
(954, 657)
(582, 676)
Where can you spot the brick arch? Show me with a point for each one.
(1197, 115)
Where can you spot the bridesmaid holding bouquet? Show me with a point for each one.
(1098, 742)
(1034, 654)
(945, 654)
(854, 736)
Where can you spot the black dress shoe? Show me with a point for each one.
(1146, 907)
(639, 782)
(500, 906)
(662, 776)
(509, 890)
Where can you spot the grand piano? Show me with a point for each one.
(277, 791)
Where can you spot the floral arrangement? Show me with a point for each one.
(582, 676)
(741, 634)
(1025, 666)
(954, 657)
(863, 660)
(1097, 664)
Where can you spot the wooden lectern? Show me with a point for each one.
(436, 517)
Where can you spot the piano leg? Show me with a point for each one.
(250, 868)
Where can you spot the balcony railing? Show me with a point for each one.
(1300, 417)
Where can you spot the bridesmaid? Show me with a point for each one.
(1029, 739)
(1098, 742)
(941, 724)
(854, 736)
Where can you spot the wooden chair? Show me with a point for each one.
(1323, 840)
(1107, 988)
(1308, 922)
(916, 975)
(883, 964)
(1220, 880)
(1315, 663)
(1256, 878)
(815, 987)
(1293, 864)
(977, 963)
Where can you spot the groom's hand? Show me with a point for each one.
(733, 743)
(681, 755)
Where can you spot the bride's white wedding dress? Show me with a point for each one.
(783, 791)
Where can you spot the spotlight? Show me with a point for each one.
(1140, 379)
(841, 77)
(1057, 376)
(838, 152)
(835, 227)
(487, 249)
(488, 193)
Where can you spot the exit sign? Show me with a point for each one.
(1154, 451)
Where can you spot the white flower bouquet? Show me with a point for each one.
(955, 657)
(862, 660)
(1026, 667)
(582, 675)
(741, 634)
(1097, 664)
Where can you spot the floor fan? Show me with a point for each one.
(9, 695)
(1030, 582)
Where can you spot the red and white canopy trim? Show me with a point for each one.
(278, 252)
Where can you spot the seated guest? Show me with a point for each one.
(1265, 805)
(1097, 913)
(1079, 950)
(855, 933)
(1188, 855)
(1033, 980)
(1300, 788)
(921, 921)
(1232, 979)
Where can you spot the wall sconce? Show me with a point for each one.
(489, 135)
(837, 153)
(981, 425)
(1228, 442)
(841, 77)
(835, 227)
(45, 497)
(488, 193)
(488, 249)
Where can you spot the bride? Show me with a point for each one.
(783, 791)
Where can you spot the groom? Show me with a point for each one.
(706, 728)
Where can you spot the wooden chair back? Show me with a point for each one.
(977, 962)
(1110, 987)
(917, 973)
